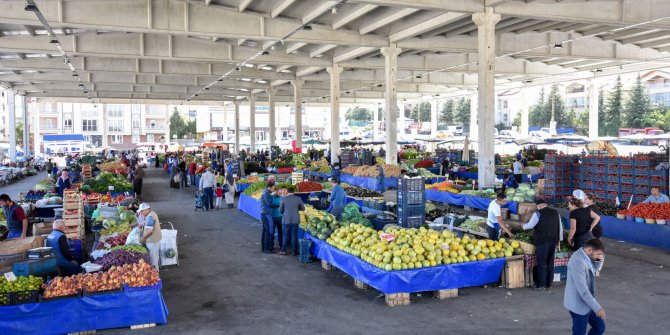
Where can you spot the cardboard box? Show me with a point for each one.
(14, 250)
(504, 212)
(42, 228)
(525, 211)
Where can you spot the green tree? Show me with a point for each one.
(421, 112)
(19, 133)
(177, 124)
(446, 116)
(536, 115)
(358, 115)
(517, 120)
(602, 113)
(658, 117)
(638, 106)
(500, 126)
(541, 113)
(613, 111)
(462, 112)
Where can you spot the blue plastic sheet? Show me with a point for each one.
(250, 206)
(317, 174)
(647, 234)
(434, 278)
(475, 175)
(466, 200)
(73, 315)
(242, 187)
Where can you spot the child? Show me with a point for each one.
(219, 195)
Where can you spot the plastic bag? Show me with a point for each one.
(134, 237)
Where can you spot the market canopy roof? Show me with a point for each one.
(170, 50)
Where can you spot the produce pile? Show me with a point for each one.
(120, 257)
(432, 212)
(254, 187)
(309, 186)
(319, 224)
(249, 180)
(400, 248)
(101, 183)
(488, 193)
(45, 185)
(648, 211)
(478, 225)
(287, 186)
(527, 236)
(113, 167)
(108, 242)
(522, 194)
(321, 166)
(426, 163)
(372, 171)
(359, 192)
(131, 248)
(607, 209)
(140, 274)
(352, 215)
(445, 186)
(21, 284)
(427, 174)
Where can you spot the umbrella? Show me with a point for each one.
(466, 150)
(568, 140)
(528, 141)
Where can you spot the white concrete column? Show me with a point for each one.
(168, 114)
(272, 124)
(391, 69)
(297, 96)
(26, 128)
(525, 110)
(252, 122)
(334, 71)
(593, 109)
(433, 117)
(225, 122)
(474, 131)
(37, 137)
(486, 82)
(237, 126)
(400, 117)
(11, 123)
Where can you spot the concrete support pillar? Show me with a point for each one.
(11, 123)
(525, 110)
(474, 131)
(26, 128)
(433, 117)
(486, 82)
(272, 124)
(224, 134)
(168, 114)
(400, 116)
(391, 69)
(237, 126)
(334, 71)
(297, 96)
(37, 137)
(252, 123)
(593, 109)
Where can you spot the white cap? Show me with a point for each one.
(143, 206)
(579, 194)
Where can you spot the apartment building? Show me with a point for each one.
(658, 86)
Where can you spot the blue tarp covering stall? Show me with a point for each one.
(242, 187)
(250, 206)
(133, 307)
(317, 174)
(466, 200)
(434, 278)
(652, 235)
(368, 182)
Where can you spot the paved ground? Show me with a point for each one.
(225, 285)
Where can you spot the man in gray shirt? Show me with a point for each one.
(580, 289)
(290, 207)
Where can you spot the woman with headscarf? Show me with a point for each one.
(230, 194)
(63, 182)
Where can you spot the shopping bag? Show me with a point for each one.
(168, 247)
(134, 237)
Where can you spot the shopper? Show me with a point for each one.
(337, 199)
(60, 247)
(547, 234)
(138, 180)
(63, 182)
(495, 220)
(151, 233)
(230, 192)
(290, 208)
(277, 216)
(445, 166)
(49, 166)
(183, 173)
(219, 196)
(657, 197)
(266, 218)
(590, 202)
(17, 222)
(582, 222)
(580, 289)
(518, 176)
(207, 188)
(191, 172)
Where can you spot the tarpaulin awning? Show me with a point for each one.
(467, 200)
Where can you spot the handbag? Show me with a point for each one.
(177, 178)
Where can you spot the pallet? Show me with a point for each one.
(514, 273)
(87, 332)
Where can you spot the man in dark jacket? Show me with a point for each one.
(267, 238)
(290, 208)
(547, 232)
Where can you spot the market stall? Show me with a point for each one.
(467, 200)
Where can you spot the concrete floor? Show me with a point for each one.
(225, 285)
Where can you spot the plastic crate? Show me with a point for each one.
(658, 173)
(411, 184)
(550, 183)
(600, 177)
(659, 182)
(626, 169)
(304, 254)
(613, 161)
(641, 171)
(561, 273)
(626, 188)
(600, 193)
(411, 197)
(550, 159)
(625, 196)
(640, 197)
(648, 163)
(642, 180)
(587, 176)
(6, 299)
(612, 186)
(86, 293)
(626, 179)
(599, 168)
(601, 160)
(378, 222)
(411, 210)
(585, 184)
(612, 195)
(411, 221)
(642, 189)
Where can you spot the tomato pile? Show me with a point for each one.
(308, 186)
(648, 211)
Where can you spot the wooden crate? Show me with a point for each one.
(326, 266)
(513, 275)
(445, 294)
(397, 299)
(361, 285)
(72, 222)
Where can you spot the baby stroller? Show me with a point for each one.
(199, 201)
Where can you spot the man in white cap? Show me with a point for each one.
(151, 233)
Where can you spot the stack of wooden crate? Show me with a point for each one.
(86, 171)
(73, 215)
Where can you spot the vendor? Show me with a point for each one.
(17, 223)
(547, 233)
(445, 166)
(380, 177)
(337, 199)
(58, 243)
(63, 182)
(495, 220)
(151, 233)
(518, 176)
(657, 197)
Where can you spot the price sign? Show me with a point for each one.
(387, 237)
(10, 276)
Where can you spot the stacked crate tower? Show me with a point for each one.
(73, 215)
(557, 178)
(411, 202)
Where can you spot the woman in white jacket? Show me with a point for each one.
(230, 195)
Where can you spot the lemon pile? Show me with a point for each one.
(416, 248)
